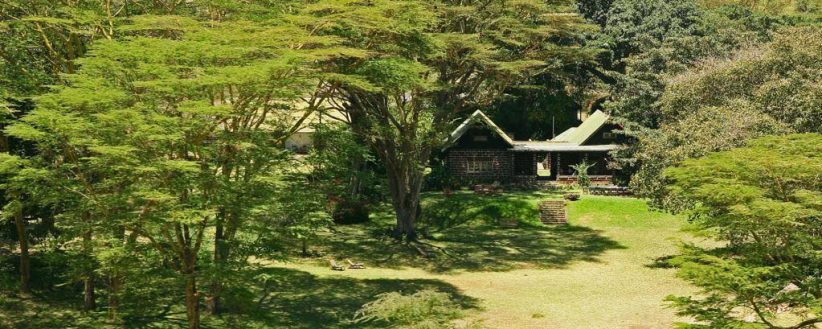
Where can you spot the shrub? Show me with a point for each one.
(581, 171)
(438, 178)
(423, 309)
(572, 196)
(351, 212)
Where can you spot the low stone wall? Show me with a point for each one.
(553, 212)
(595, 179)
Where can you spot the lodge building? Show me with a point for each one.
(479, 151)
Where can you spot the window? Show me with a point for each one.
(478, 166)
(480, 138)
(608, 135)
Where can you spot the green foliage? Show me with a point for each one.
(341, 165)
(165, 136)
(438, 178)
(433, 61)
(423, 309)
(348, 211)
(781, 78)
(658, 49)
(636, 26)
(299, 209)
(581, 172)
(595, 10)
(723, 103)
(763, 200)
(798, 8)
(707, 130)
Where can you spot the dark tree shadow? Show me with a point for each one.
(467, 208)
(466, 234)
(288, 298)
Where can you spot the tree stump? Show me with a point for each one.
(553, 212)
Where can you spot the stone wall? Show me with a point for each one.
(501, 165)
(595, 179)
(553, 212)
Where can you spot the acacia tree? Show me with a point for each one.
(764, 200)
(10, 167)
(41, 41)
(177, 130)
(425, 63)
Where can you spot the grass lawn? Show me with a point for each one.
(596, 272)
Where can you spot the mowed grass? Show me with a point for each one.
(596, 272)
(599, 271)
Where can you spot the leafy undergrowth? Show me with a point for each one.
(421, 310)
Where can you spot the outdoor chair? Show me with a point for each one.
(354, 266)
(335, 266)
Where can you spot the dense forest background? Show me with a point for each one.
(142, 144)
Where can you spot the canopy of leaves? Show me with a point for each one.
(783, 79)
(172, 130)
(765, 201)
(722, 103)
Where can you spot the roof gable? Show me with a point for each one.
(585, 130)
(571, 139)
(477, 118)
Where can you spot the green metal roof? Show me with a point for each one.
(565, 134)
(570, 140)
(585, 130)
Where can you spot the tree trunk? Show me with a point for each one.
(115, 279)
(89, 303)
(116, 285)
(4, 140)
(25, 263)
(405, 192)
(192, 296)
(220, 254)
(192, 302)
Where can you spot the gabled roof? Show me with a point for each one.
(565, 134)
(476, 118)
(585, 130)
(570, 140)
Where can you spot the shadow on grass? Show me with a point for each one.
(465, 229)
(262, 297)
(36, 313)
(468, 208)
(288, 298)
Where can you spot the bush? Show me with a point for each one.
(351, 212)
(439, 178)
(423, 309)
(572, 196)
(581, 171)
